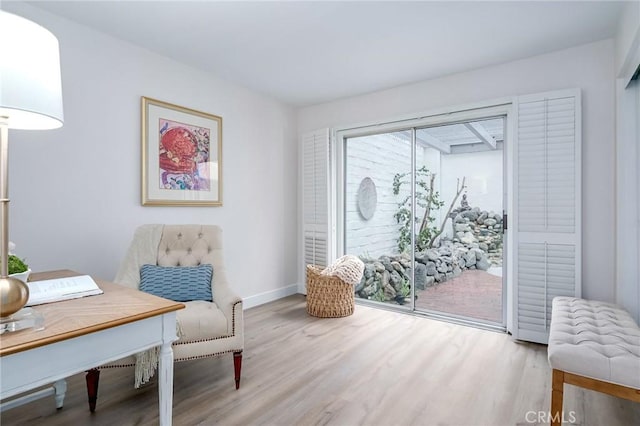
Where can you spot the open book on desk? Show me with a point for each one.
(48, 291)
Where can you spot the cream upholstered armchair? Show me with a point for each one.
(205, 329)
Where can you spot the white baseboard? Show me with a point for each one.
(269, 296)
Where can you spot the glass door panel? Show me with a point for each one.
(377, 181)
(458, 249)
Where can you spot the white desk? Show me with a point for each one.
(85, 333)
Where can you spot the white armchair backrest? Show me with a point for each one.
(173, 245)
(192, 245)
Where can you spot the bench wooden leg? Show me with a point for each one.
(557, 386)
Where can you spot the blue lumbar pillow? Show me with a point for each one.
(179, 283)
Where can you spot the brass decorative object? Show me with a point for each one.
(13, 294)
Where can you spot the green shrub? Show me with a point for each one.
(426, 198)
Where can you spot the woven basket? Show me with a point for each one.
(328, 296)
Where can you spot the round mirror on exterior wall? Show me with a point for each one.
(367, 198)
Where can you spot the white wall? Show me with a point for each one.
(378, 157)
(75, 192)
(628, 39)
(628, 198)
(628, 162)
(484, 178)
(589, 67)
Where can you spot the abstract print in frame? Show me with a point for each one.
(181, 156)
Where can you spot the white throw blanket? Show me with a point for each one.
(348, 268)
(143, 250)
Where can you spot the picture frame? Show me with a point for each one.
(181, 156)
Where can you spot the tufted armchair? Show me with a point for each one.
(205, 329)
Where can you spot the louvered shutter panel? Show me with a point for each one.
(547, 199)
(316, 197)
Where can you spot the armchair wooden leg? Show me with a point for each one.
(237, 366)
(93, 377)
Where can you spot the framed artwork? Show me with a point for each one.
(181, 156)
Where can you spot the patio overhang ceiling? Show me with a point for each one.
(473, 136)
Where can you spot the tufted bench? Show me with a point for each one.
(593, 345)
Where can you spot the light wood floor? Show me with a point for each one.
(372, 368)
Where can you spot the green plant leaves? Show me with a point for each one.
(16, 265)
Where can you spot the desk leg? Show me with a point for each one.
(165, 384)
(60, 388)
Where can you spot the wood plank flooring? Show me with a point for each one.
(373, 368)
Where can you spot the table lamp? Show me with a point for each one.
(30, 98)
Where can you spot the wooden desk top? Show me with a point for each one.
(72, 318)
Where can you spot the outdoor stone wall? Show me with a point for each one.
(477, 244)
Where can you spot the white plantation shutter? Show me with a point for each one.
(316, 186)
(547, 199)
(544, 271)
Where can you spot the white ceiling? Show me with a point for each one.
(304, 53)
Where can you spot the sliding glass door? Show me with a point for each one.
(462, 251)
(423, 208)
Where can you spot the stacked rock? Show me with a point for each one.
(476, 244)
(473, 225)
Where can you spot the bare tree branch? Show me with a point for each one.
(425, 218)
(459, 190)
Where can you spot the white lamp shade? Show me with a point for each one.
(30, 84)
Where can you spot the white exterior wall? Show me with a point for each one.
(484, 179)
(379, 157)
(589, 67)
(75, 191)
